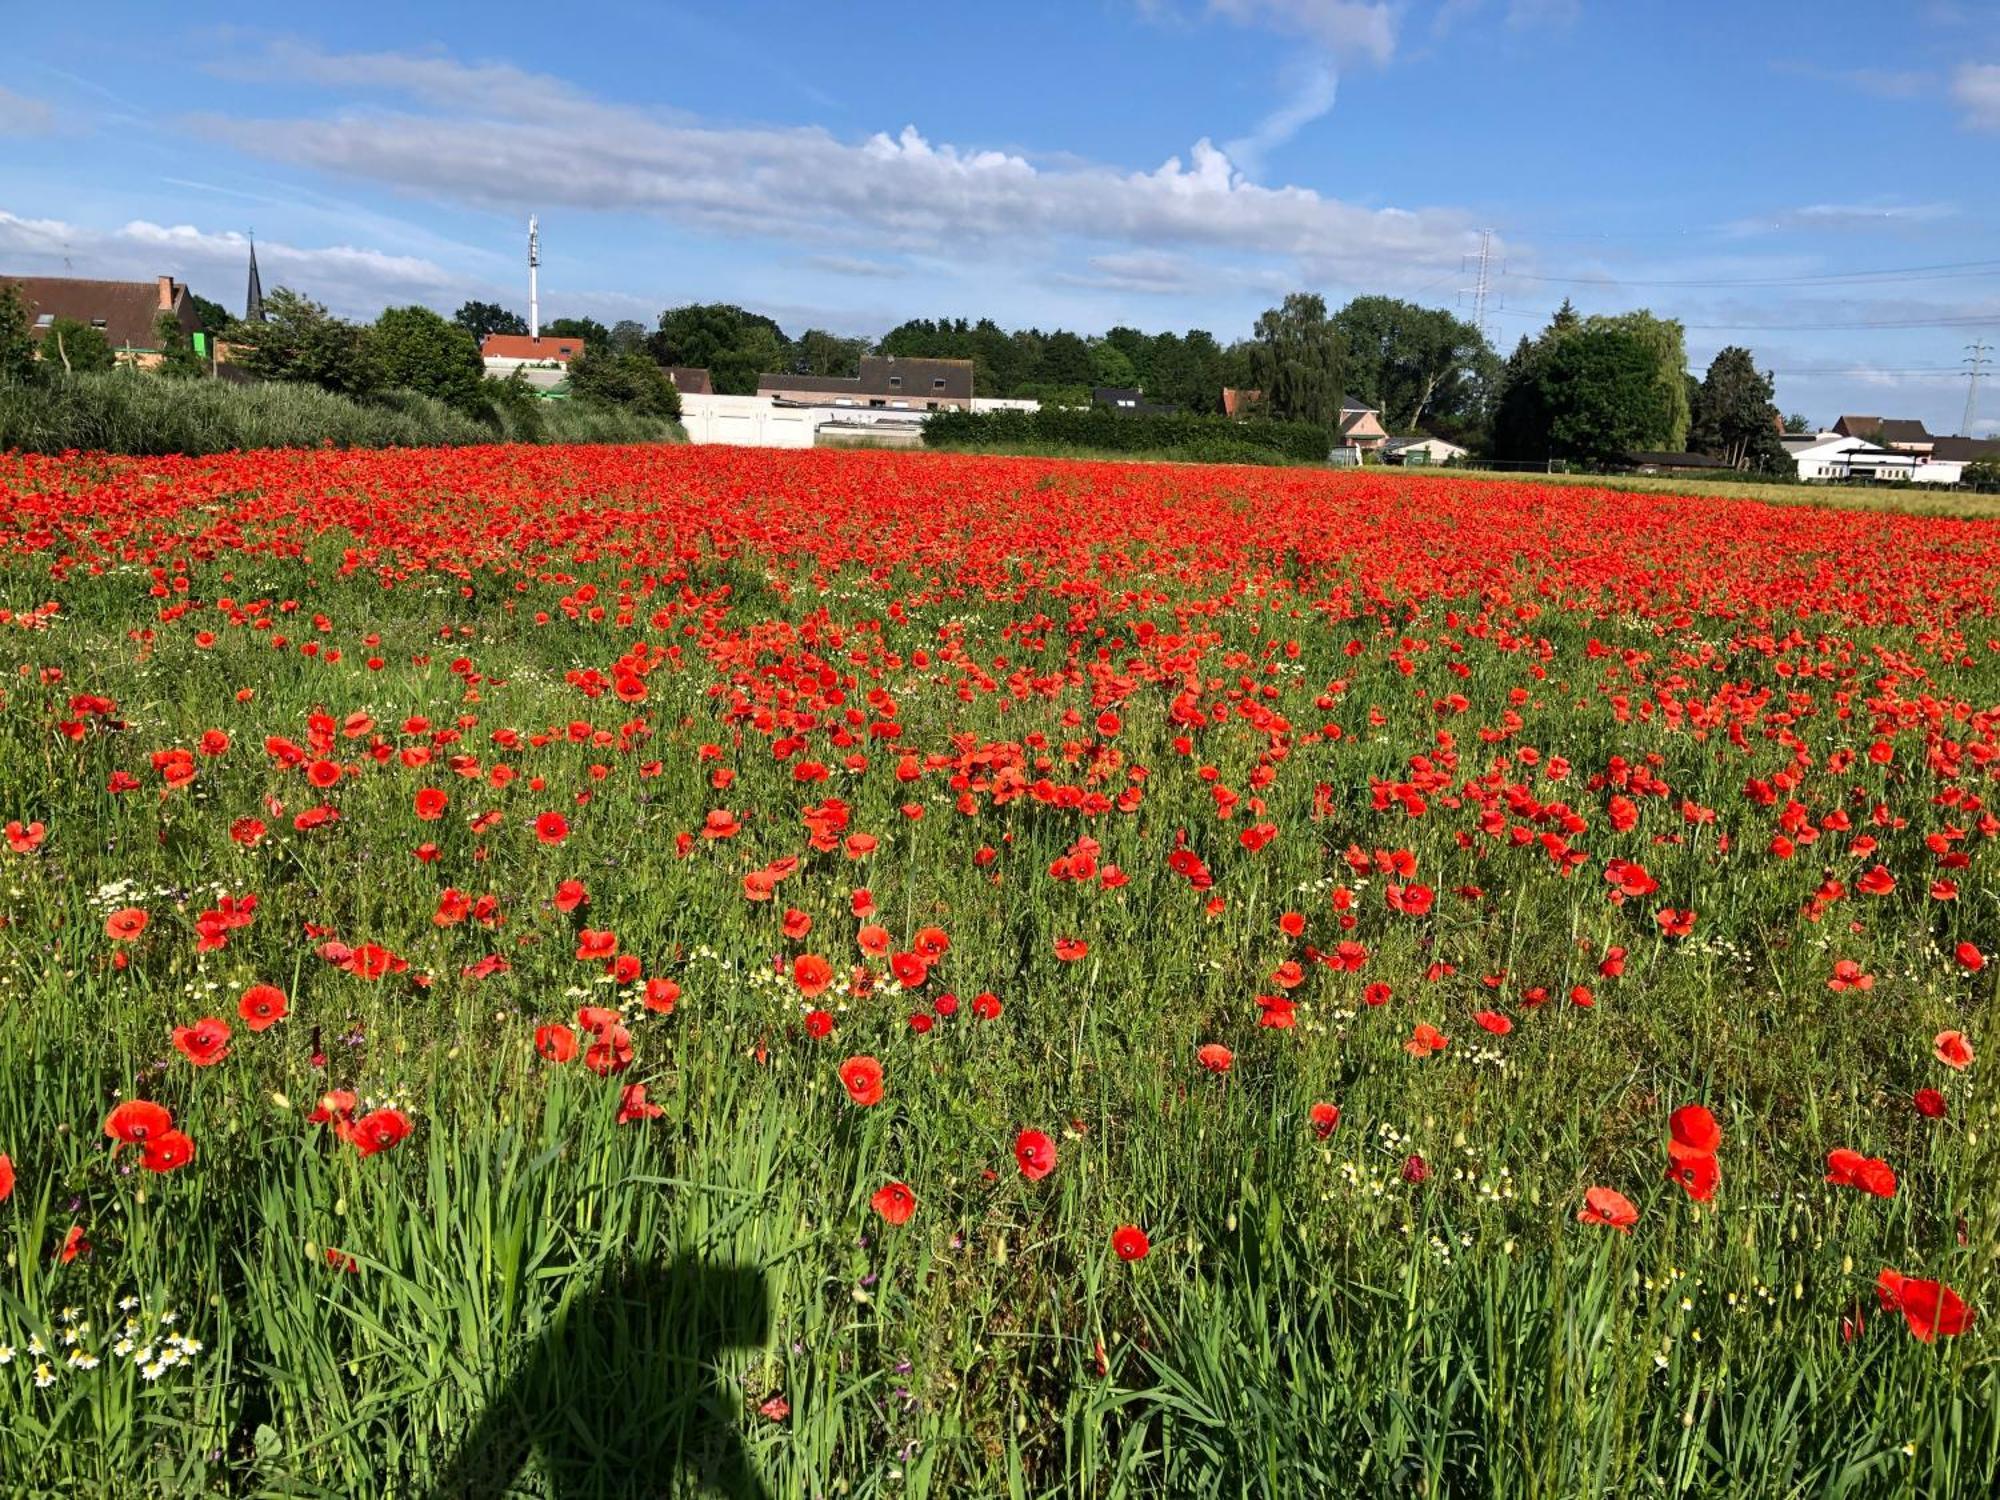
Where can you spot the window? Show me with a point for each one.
(895, 382)
(97, 322)
(45, 320)
(937, 383)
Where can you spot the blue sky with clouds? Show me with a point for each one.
(1814, 180)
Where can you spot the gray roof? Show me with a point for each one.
(916, 378)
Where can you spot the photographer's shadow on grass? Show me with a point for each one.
(621, 1396)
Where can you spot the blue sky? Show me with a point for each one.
(1746, 167)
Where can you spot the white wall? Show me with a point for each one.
(747, 421)
(1004, 403)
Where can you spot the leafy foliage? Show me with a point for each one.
(417, 350)
(301, 341)
(482, 318)
(1299, 361)
(632, 381)
(1185, 435)
(76, 348)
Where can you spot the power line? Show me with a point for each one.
(1942, 271)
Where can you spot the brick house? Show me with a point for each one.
(885, 381)
(125, 312)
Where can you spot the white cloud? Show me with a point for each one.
(1976, 87)
(20, 115)
(348, 277)
(1313, 98)
(856, 265)
(495, 137)
(1352, 30)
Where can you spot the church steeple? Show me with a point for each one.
(253, 301)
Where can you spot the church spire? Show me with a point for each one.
(253, 301)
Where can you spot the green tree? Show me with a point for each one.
(1299, 361)
(1602, 391)
(1662, 337)
(1734, 416)
(215, 318)
(1797, 424)
(419, 350)
(627, 334)
(301, 341)
(1421, 366)
(818, 352)
(1110, 365)
(178, 359)
(593, 333)
(76, 348)
(482, 318)
(1138, 351)
(633, 380)
(1065, 361)
(1180, 376)
(734, 346)
(1520, 415)
(17, 340)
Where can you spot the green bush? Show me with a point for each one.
(128, 412)
(1184, 435)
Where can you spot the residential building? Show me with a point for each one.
(1649, 462)
(690, 380)
(1413, 452)
(884, 381)
(543, 362)
(1129, 400)
(127, 313)
(1902, 434)
(1361, 425)
(1241, 403)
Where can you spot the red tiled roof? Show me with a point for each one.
(520, 346)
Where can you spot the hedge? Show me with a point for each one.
(1197, 438)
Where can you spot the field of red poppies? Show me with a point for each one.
(610, 971)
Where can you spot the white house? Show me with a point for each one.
(748, 421)
(1421, 451)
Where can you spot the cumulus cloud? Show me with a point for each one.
(349, 277)
(1976, 87)
(492, 136)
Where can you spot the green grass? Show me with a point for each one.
(1308, 1323)
(130, 412)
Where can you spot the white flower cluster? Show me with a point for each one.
(147, 1340)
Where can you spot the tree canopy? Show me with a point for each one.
(300, 340)
(1299, 361)
(419, 351)
(482, 318)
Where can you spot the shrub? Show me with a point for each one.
(1200, 439)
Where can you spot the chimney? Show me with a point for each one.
(166, 293)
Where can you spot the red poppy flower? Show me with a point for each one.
(430, 804)
(1035, 1153)
(556, 1042)
(205, 1043)
(930, 944)
(610, 1050)
(596, 947)
(796, 924)
(1952, 1049)
(632, 1105)
(818, 1023)
(1214, 1057)
(1603, 1205)
(910, 970)
(570, 894)
(894, 1202)
(1415, 1168)
(862, 1078)
(73, 1245)
(125, 926)
(551, 828)
(25, 840)
(1931, 1308)
(1493, 1021)
(1674, 924)
(6, 1177)
(1877, 882)
(986, 1006)
(1847, 975)
(1425, 1040)
(167, 1152)
(1871, 1174)
(1129, 1242)
(1325, 1119)
(1970, 958)
(660, 996)
(379, 1130)
(1929, 1103)
(812, 974)
(262, 1007)
(1069, 950)
(1699, 1175)
(1693, 1131)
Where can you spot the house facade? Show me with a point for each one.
(127, 313)
(543, 362)
(1418, 451)
(1361, 426)
(885, 382)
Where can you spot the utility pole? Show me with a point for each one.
(1482, 281)
(1976, 360)
(534, 264)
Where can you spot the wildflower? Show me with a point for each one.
(894, 1202)
(862, 1078)
(1603, 1205)
(1129, 1242)
(1035, 1153)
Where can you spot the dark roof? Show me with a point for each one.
(690, 380)
(1112, 395)
(1677, 461)
(126, 310)
(916, 379)
(1355, 403)
(1967, 450)
(1883, 429)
